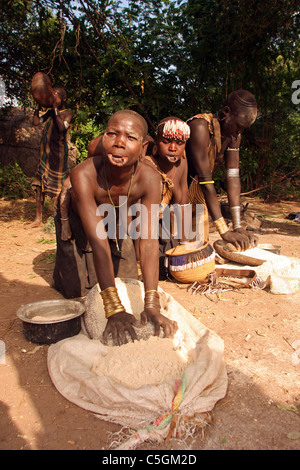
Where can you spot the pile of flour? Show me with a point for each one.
(149, 361)
(281, 272)
(144, 362)
(54, 317)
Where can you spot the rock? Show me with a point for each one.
(20, 140)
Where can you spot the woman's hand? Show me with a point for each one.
(117, 325)
(238, 240)
(57, 100)
(253, 239)
(66, 233)
(159, 321)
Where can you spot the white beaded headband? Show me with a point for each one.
(176, 129)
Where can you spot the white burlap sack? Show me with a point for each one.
(280, 273)
(71, 362)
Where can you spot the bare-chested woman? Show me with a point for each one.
(118, 170)
(214, 138)
(167, 155)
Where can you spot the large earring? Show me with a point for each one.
(221, 115)
(223, 112)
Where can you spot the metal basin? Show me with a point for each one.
(50, 321)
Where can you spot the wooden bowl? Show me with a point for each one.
(241, 257)
(41, 90)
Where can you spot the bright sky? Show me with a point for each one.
(3, 98)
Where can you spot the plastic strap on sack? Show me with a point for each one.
(162, 421)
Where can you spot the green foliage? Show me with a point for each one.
(14, 184)
(83, 131)
(49, 227)
(27, 32)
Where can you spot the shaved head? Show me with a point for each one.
(135, 115)
(242, 102)
(61, 90)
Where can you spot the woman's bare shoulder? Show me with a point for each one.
(148, 172)
(86, 171)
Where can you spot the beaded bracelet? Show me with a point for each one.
(111, 301)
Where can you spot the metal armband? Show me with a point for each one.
(235, 212)
(233, 173)
(221, 225)
(111, 301)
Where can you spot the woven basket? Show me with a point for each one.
(187, 264)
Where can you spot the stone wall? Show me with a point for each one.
(20, 140)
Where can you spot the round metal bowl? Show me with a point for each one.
(50, 321)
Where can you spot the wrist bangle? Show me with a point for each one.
(56, 111)
(111, 301)
(232, 149)
(67, 218)
(152, 299)
(236, 216)
(221, 225)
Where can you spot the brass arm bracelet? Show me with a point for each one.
(221, 225)
(152, 299)
(111, 301)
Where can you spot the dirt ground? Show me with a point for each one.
(261, 410)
